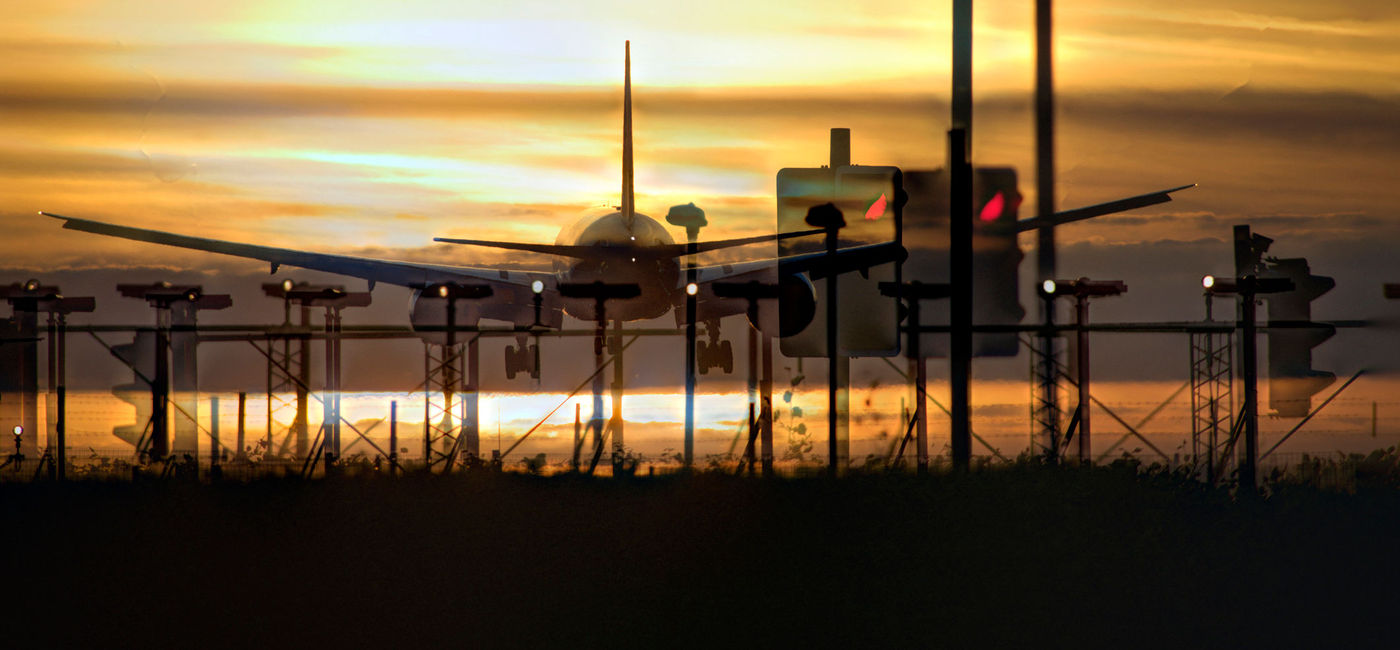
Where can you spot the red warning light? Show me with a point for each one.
(877, 209)
(992, 210)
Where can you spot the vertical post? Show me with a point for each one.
(393, 437)
(335, 424)
(52, 397)
(916, 358)
(61, 423)
(755, 403)
(753, 358)
(242, 423)
(160, 388)
(960, 245)
(840, 156)
(1081, 313)
(328, 413)
(471, 424)
(578, 431)
(1249, 355)
(960, 307)
(833, 353)
(595, 422)
(962, 65)
(1045, 200)
(427, 406)
(215, 471)
(690, 305)
(449, 386)
(303, 419)
(1044, 138)
(618, 384)
(765, 389)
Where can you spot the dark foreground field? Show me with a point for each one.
(1026, 556)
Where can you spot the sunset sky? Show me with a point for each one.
(372, 127)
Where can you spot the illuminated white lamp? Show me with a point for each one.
(287, 285)
(691, 289)
(537, 286)
(442, 291)
(19, 430)
(1208, 281)
(1048, 287)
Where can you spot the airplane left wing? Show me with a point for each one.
(406, 274)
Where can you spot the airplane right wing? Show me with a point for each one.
(406, 274)
(815, 264)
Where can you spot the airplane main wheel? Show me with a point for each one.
(510, 362)
(702, 357)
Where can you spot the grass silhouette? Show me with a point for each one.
(1021, 555)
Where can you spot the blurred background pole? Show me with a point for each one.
(1045, 202)
(393, 437)
(1081, 315)
(214, 436)
(1249, 354)
(960, 234)
(242, 423)
(691, 288)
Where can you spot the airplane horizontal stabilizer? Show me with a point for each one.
(661, 251)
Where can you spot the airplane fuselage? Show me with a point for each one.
(623, 258)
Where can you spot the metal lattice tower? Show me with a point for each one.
(1212, 399)
(442, 404)
(288, 379)
(1047, 395)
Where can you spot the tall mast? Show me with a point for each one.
(629, 207)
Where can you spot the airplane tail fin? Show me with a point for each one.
(629, 208)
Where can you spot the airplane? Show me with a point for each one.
(621, 246)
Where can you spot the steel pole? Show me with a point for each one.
(1045, 200)
(1081, 312)
(61, 425)
(1249, 357)
(960, 235)
(242, 424)
(213, 436)
(916, 359)
(765, 389)
(833, 365)
(393, 437)
(471, 398)
(690, 278)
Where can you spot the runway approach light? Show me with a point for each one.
(537, 287)
(1207, 282)
(691, 289)
(442, 291)
(1048, 287)
(19, 430)
(286, 285)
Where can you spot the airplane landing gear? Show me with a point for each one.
(522, 357)
(715, 353)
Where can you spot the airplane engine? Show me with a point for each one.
(797, 305)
